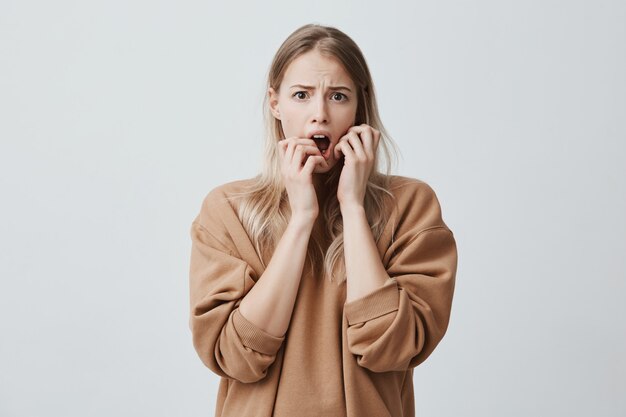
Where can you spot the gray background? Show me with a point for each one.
(117, 117)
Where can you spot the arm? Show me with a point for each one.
(398, 313)
(364, 268)
(234, 343)
(270, 302)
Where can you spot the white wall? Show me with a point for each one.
(117, 117)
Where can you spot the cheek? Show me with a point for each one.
(289, 115)
(348, 116)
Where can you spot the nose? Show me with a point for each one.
(320, 113)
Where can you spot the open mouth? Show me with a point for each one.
(323, 144)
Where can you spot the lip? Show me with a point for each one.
(326, 154)
(319, 132)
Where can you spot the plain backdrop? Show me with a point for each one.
(118, 117)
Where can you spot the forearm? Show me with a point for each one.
(364, 269)
(269, 303)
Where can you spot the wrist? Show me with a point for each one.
(301, 220)
(351, 208)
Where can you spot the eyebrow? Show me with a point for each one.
(309, 87)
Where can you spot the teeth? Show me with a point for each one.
(319, 136)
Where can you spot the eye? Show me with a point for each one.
(298, 92)
(341, 95)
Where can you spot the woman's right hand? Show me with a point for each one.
(298, 158)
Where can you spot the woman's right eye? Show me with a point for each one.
(298, 92)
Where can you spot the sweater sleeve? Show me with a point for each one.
(397, 326)
(226, 342)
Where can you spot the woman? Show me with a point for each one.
(338, 335)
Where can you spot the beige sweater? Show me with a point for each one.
(336, 359)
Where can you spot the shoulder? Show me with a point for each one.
(416, 203)
(216, 204)
(411, 191)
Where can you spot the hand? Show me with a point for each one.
(298, 158)
(359, 147)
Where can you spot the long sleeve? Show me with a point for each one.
(397, 326)
(226, 342)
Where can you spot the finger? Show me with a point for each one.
(301, 141)
(376, 137)
(357, 145)
(348, 152)
(291, 147)
(364, 128)
(370, 142)
(294, 142)
(338, 151)
(302, 151)
(369, 137)
(338, 148)
(312, 162)
(307, 150)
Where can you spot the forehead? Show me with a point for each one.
(312, 67)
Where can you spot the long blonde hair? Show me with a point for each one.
(264, 209)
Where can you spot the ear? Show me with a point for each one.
(273, 100)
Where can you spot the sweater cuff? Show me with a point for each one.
(379, 302)
(254, 337)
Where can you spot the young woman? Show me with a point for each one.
(317, 286)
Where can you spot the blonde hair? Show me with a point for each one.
(264, 209)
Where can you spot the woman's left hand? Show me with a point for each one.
(358, 147)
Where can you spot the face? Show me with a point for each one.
(316, 94)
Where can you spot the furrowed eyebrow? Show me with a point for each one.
(309, 87)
